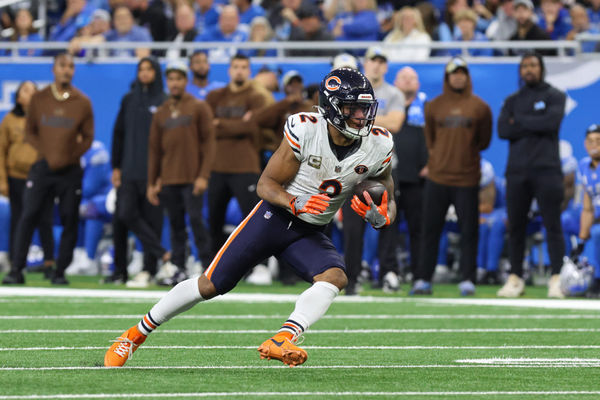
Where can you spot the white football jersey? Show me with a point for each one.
(320, 170)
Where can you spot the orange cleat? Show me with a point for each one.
(283, 349)
(123, 347)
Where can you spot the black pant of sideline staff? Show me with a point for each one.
(16, 188)
(44, 184)
(549, 192)
(222, 188)
(436, 200)
(179, 200)
(136, 214)
(409, 199)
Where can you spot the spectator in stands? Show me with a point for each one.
(200, 86)
(130, 175)
(150, 14)
(227, 30)
(125, 30)
(504, 24)
(411, 152)
(236, 167)
(430, 19)
(185, 21)
(594, 14)
(408, 29)
(283, 17)
(180, 154)
(485, 12)
(310, 28)
(60, 126)
(358, 24)
(458, 125)
(554, 19)
(76, 15)
(333, 8)
(24, 31)
(447, 30)
(91, 33)
(466, 21)
(526, 28)
(248, 11)
(207, 15)
(530, 119)
(390, 115)
(16, 158)
(261, 32)
(581, 24)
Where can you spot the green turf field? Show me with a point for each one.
(378, 347)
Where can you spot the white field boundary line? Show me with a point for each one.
(291, 298)
(338, 316)
(216, 347)
(316, 331)
(530, 361)
(280, 366)
(292, 394)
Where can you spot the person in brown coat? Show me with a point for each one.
(458, 125)
(180, 154)
(60, 126)
(236, 166)
(16, 158)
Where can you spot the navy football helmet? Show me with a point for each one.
(343, 91)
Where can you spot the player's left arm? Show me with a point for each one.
(386, 179)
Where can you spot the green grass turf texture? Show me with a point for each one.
(299, 379)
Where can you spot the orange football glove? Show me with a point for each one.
(311, 204)
(370, 212)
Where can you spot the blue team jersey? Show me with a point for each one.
(200, 93)
(590, 179)
(96, 171)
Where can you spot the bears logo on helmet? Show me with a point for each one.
(333, 83)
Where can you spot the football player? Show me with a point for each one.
(306, 181)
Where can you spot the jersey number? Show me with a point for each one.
(331, 187)
(304, 117)
(379, 131)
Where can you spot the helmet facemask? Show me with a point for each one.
(346, 111)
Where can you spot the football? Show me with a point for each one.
(374, 188)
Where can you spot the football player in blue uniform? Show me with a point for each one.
(306, 181)
(589, 229)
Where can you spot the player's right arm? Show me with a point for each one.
(587, 217)
(281, 169)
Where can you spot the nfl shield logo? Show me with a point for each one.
(268, 215)
(338, 169)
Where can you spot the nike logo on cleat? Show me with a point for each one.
(276, 342)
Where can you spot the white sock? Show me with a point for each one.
(310, 307)
(182, 297)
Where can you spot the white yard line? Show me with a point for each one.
(278, 365)
(315, 331)
(286, 394)
(69, 294)
(293, 394)
(253, 347)
(337, 316)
